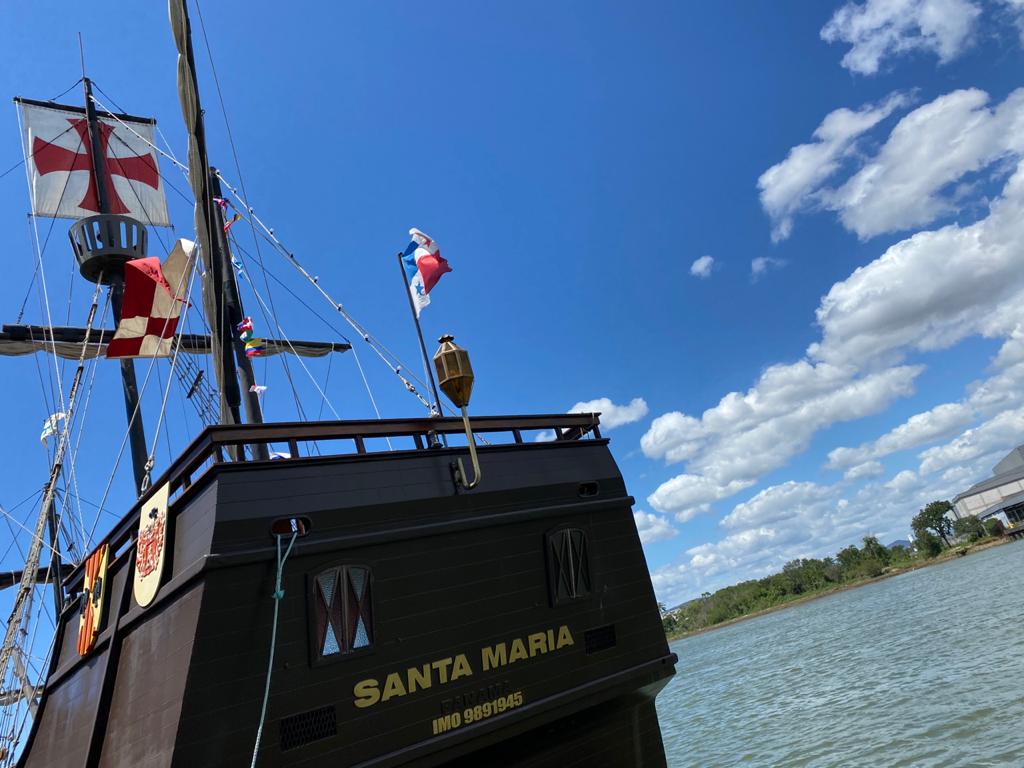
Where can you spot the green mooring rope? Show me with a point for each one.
(278, 594)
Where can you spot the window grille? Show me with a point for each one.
(568, 565)
(343, 609)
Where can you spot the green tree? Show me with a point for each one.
(900, 554)
(933, 519)
(874, 550)
(994, 526)
(970, 527)
(927, 543)
(849, 558)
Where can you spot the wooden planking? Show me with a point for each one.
(151, 677)
(439, 588)
(61, 739)
(433, 597)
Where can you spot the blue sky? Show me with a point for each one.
(791, 230)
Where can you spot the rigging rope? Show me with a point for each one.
(30, 574)
(135, 413)
(278, 594)
(151, 459)
(267, 233)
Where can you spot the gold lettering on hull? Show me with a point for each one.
(371, 691)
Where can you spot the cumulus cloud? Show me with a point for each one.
(762, 264)
(748, 435)
(862, 471)
(778, 502)
(702, 267)
(789, 186)
(933, 146)
(900, 303)
(613, 415)
(903, 481)
(921, 428)
(689, 495)
(997, 435)
(803, 519)
(781, 523)
(922, 171)
(653, 527)
(880, 29)
(1015, 9)
(928, 292)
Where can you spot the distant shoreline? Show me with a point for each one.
(945, 556)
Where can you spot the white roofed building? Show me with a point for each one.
(1001, 495)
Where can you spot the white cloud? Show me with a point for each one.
(760, 265)
(924, 293)
(1015, 9)
(547, 436)
(921, 428)
(901, 302)
(788, 186)
(878, 29)
(613, 415)
(653, 527)
(865, 470)
(702, 267)
(931, 290)
(778, 502)
(905, 184)
(795, 520)
(998, 434)
(903, 482)
(689, 495)
(748, 435)
(926, 169)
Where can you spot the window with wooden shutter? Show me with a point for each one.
(568, 565)
(343, 611)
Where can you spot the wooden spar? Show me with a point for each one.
(129, 383)
(66, 342)
(214, 303)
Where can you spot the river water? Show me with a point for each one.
(925, 669)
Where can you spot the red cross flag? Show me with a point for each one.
(153, 297)
(60, 167)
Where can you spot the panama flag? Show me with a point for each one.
(423, 268)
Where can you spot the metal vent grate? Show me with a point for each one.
(599, 639)
(307, 727)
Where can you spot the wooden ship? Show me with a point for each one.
(333, 604)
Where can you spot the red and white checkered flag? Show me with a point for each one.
(153, 298)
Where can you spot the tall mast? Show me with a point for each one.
(136, 429)
(234, 310)
(220, 291)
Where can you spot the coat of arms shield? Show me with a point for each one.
(93, 592)
(150, 546)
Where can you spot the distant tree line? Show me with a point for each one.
(933, 532)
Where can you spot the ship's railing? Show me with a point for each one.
(223, 444)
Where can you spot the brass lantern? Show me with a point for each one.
(454, 371)
(455, 377)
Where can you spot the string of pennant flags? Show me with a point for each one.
(254, 346)
(224, 203)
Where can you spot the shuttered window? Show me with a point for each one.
(343, 611)
(568, 565)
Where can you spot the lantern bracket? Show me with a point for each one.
(458, 470)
